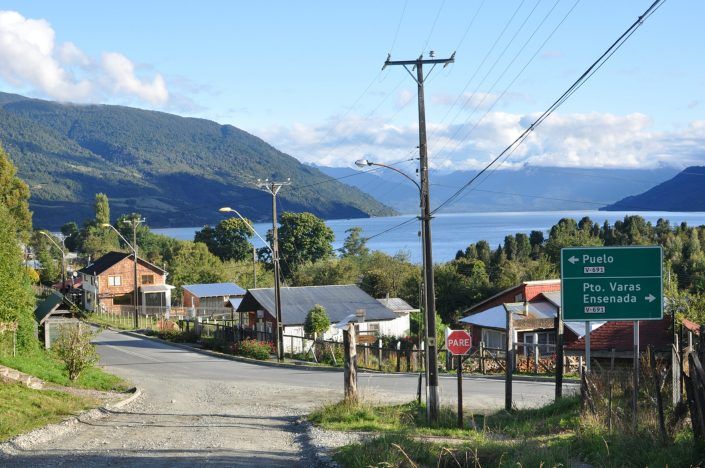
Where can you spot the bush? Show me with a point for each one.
(317, 321)
(175, 336)
(75, 350)
(254, 349)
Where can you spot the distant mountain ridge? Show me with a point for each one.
(684, 192)
(531, 188)
(174, 170)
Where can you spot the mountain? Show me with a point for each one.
(176, 171)
(530, 188)
(684, 192)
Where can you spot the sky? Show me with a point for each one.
(306, 76)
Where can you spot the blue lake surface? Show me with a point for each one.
(454, 231)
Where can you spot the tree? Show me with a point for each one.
(317, 321)
(303, 238)
(355, 245)
(229, 240)
(102, 209)
(17, 300)
(14, 195)
(191, 263)
(71, 236)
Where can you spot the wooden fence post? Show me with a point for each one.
(509, 363)
(559, 355)
(350, 374)
(482, 357)
(657, 385)
(379, 353)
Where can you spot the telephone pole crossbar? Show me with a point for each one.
(273, 188)
(432, 396)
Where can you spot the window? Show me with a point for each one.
(373, 328)
(494, 339)
(114, 281)
(546, 342)
(147, 279)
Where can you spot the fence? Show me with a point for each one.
(157, 317)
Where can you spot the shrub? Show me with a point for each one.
(175, 336)
(75, 350)
(317, 321)
(254, 349)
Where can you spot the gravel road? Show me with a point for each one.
(200, 410)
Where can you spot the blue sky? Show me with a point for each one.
(306, 76)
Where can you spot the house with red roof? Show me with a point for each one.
(620, 337)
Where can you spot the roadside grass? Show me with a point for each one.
(121, 323)
(554, 435)
(43, 365)
(23, 409)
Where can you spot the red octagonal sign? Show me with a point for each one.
(458, 342)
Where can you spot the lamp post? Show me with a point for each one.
(63, 257)
(431, 358)
(275, 258)
(132, 246)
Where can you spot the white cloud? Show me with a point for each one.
(31, 59)
(567, 140)
(121, 72)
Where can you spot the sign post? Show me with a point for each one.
(458, 343)
(613, 283)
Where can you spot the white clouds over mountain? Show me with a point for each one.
(31, 58)
(567, 140)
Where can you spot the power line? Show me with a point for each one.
(396, 33)
(472, 21)
(574, 87)
(433, 26)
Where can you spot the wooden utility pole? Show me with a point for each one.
(273, 188)
(509, 363)
(433, 402)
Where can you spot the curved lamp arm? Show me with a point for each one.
(227, 209)
(365, 162)
(118, 233)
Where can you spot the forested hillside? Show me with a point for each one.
(176, 171)
(684, 192)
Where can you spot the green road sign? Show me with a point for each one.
(611, 283)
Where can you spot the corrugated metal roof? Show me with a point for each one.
(554, 297)
(47, 306)
(338, 300)
(214, 289)
(496, 317)
(397, 304)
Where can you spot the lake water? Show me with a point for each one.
(454, 231)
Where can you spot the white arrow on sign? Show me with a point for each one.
(573, 259)
(650, 298)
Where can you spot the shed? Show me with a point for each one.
(52, 314)
(211, 295)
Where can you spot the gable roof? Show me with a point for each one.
(214, 289)
(496, 317)
(620, 336)
(49, 305)
(397, 304)
(338, 300)
(510, 289)
(113, 258)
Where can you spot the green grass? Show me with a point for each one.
(23, 409)
(43, 365)
(554, 435)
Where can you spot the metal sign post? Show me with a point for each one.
(459, 342)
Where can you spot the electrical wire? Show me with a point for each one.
(597, 64)
(396, 33)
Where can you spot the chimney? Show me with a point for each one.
(526, 308)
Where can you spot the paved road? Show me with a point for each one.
(198, 409)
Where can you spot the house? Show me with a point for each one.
(213, 297)
(620, 337)
(526, 291)
(339, 301)
(109, 281)
(533, 318)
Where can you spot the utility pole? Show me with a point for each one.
(273, 188)
(134, 222)
(254, 265)
(433, 402)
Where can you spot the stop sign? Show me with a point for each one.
(458, 342)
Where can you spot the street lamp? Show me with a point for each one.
(63, 257)
(133, 247)
(432, 395)
(277, 285)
